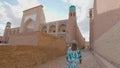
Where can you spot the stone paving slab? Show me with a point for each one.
(88, 62)
(104, 63)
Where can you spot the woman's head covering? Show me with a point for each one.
(71, 42)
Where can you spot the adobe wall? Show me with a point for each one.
(29, 38)
(106, 5)
(27, 56)
(20, 56)
(105, 16)
(80, 39)
(106, 32)
(51, 42)
(108, 45)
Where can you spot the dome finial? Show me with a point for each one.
(8, 23)
(72, 8)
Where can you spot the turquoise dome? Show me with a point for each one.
(72, 8)
(8, 24)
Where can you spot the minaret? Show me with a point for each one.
(71, 24)
(72, 13)
(6, 32)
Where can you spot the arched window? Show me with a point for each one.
(52, 29)
(73, 13)
(62, 28)
(70, 14)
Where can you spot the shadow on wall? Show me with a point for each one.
(103, 22)
(106, 35)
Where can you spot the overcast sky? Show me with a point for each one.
(11, 10)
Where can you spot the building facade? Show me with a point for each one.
(104, 28)
(34, 20)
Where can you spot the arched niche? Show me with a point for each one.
(52, 29)
(62, 28)
(28, 25)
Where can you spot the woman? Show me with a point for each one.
(74, 57)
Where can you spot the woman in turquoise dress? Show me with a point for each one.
(73, 57)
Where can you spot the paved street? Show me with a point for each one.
(88, 62)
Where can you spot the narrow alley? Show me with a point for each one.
(88, 62)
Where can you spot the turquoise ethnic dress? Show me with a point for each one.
(73, 58)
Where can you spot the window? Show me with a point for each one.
(73, 13)
(70, 14)
(63, 30)
(53, 31)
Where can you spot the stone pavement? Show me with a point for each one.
(88, 62)
(102, 62)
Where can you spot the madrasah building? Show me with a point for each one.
(33, 20)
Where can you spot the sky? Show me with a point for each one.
(12, 11)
